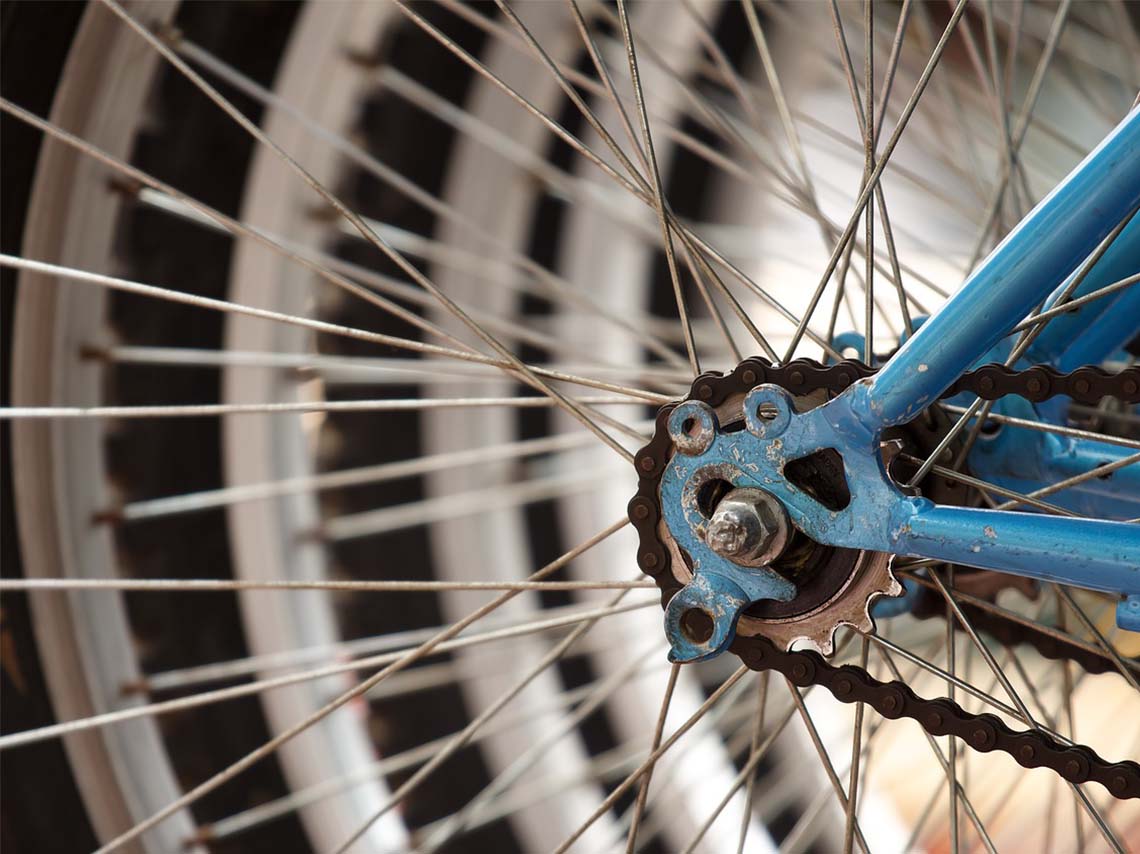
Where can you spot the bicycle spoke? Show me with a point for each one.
(747, 772)
(646, 152)
(150, 508)
(658, 730)
(951, 779)
(461, 739)
(210, 303)
(731, 714)
(381, 371)
(1023, 710)
(658, 189)
(642, 769)
(757, 733)
(1021, 126)
(868, 168)
(1043, 317)
(645, 196)
(952, 744)
(411, 758)
(469, 816)
(863, 115)
(473, 299)
(1017, 498)
(11, 585)
(359, 689)
(690, 252)
(400, 84)
(1055, 429)
(1125, 670)
(493, 629)
(825, 760)
(215, 409)
(785, 114)
(853, 775)
(391, 662)
(369, 523)
(379, 243)
(873, 179)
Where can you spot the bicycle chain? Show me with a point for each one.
(848, 683)
(983, 732)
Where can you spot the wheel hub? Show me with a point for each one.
(738, 561)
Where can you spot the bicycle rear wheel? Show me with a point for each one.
(376, 428)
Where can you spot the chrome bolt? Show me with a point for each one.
(749, 526)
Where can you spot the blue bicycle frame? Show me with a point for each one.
(1033, 265)
(1034, 261)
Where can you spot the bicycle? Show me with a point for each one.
(560, 217)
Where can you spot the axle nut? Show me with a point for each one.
(749, 526)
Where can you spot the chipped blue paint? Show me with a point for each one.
(1128, 613)
(1100, 555)
(1090, 334)
(1026, 460)
(1032, 261)
(719, 587)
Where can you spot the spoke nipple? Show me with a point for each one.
(109, 516)
(313, 535)
(366, 60)
(93, 353)
(134, 688)
(124, 186)
(167, 33)
(322, 213)
(203, 835)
